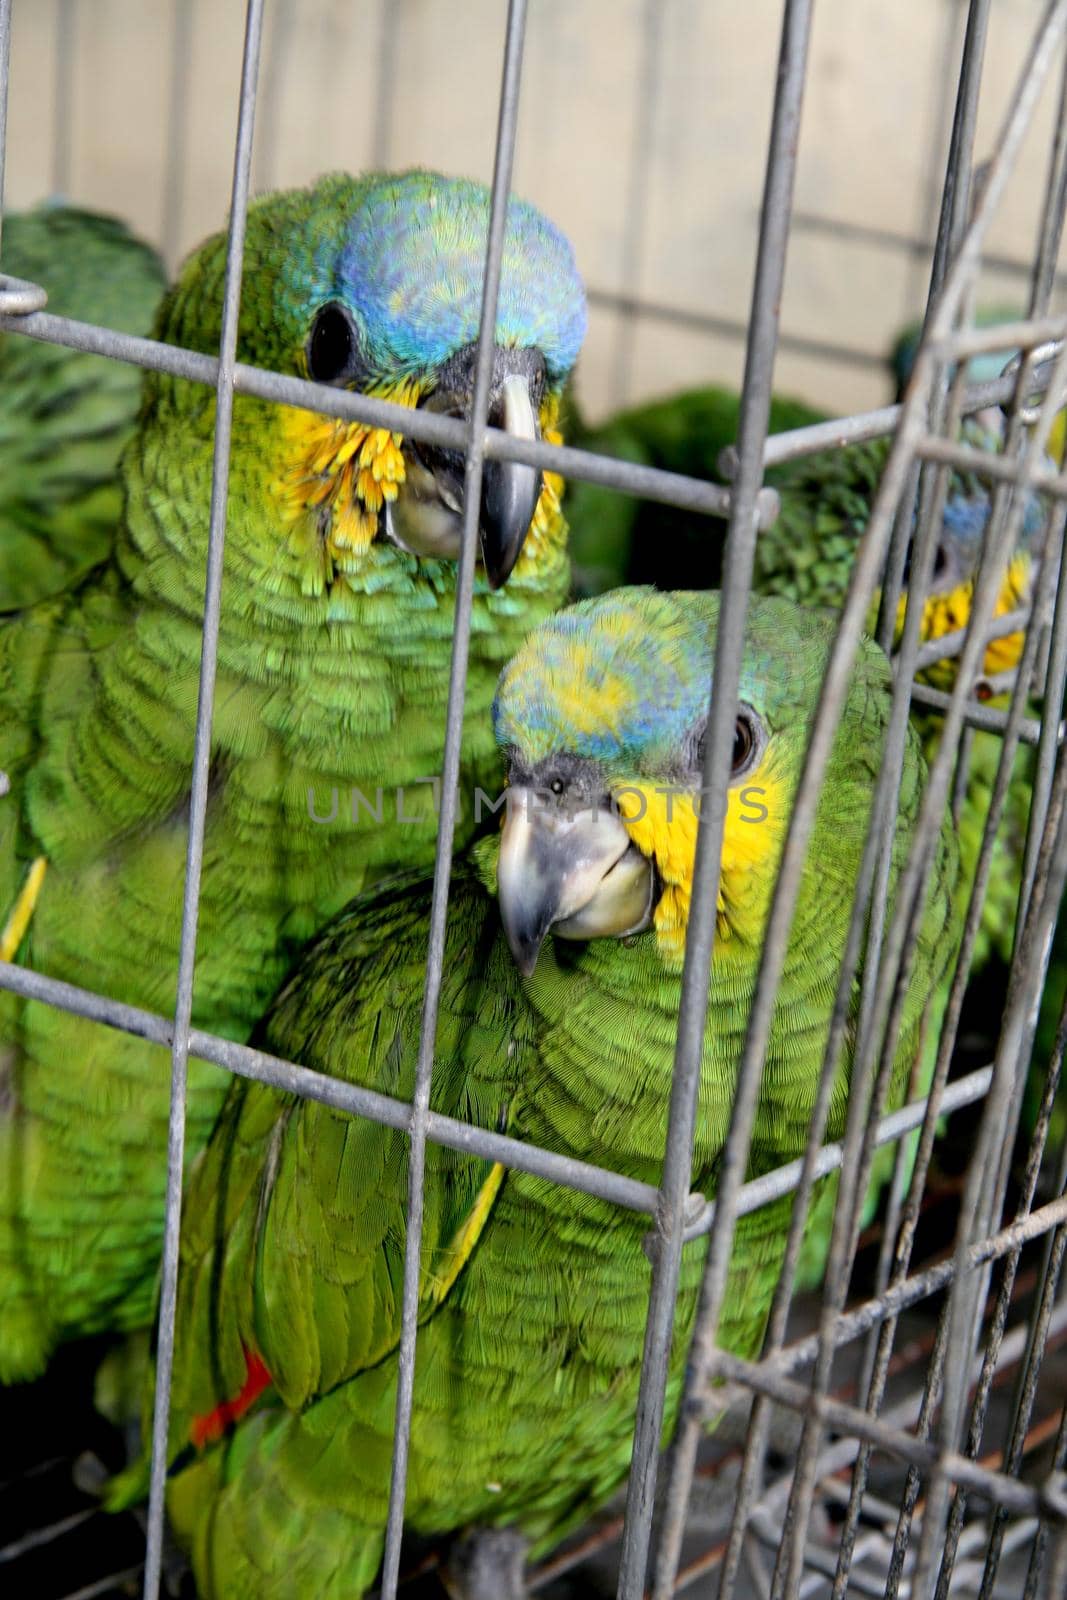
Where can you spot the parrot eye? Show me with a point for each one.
(746, 743)
(940, 567)
(332, 353)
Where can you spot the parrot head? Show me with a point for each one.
(983, 368)
(950, 594)
(602, 717)
(374, 284)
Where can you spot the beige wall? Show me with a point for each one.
(686, 82)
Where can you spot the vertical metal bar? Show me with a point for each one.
(1040, 1323)
(956, 285)
(757, 1433)
(860, 1155)
(181, 49)
(740, 553)
(5, 66)
(62, 110)
(1055, 205)
(198, 801)
(994, 1341)
(385, 90)
(502, 168)
(1056, 1579)
(634, 223)
(946, 1354)
(934, 194)
(950, 225)
(1050, 234)
(954, 205)
(984, 1183)
(1058, 1463)
(899, 1254)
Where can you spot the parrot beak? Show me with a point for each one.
(510, 490)
(426, 517)
(576, 872)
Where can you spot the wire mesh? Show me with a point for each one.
(921, 1412)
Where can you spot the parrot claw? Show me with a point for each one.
(486, 1564)
(22, 912)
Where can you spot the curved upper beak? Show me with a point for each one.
(426, 515)
(510, 490)
(576, 872)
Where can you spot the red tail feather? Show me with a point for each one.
(206, 1429)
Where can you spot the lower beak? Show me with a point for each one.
(510, 490)
(576, 872)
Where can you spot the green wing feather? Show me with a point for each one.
(616, 538)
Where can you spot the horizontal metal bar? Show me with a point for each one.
(1025, 333)
(19, 298)
(1021, 1498)
(921, 1285)
(837, 432)
(291, 1078)
(989, 465)
(667, 488)
(990, 719)
(774, 1185)
(651, 483)
(950, 645)
(841, 1453)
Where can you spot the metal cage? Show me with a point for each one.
(975, 1509)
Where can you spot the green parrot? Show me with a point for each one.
(562, 978)
(65, 417)
(334, 651)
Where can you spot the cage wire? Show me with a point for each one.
(886, 1483)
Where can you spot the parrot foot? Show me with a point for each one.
(486, 1564)
(19, 920)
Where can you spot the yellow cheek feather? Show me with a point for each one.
(663, 825)
(947, 613)
(340, 475)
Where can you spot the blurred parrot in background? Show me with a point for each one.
(617, 538)
(65, 417)
(557, 1026)
(981, 368)
(333, 666)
